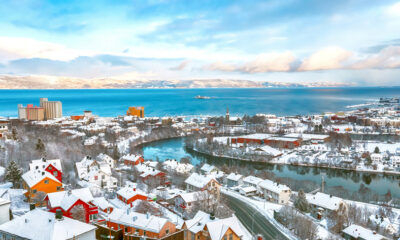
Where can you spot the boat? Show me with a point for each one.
(202, 97)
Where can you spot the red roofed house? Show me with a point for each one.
(77, 204)
(130, 194)
(132, 160)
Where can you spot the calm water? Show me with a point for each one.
(171, 102)
(174, 149)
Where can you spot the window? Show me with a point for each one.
(193, 236)
(55, 173)
(231, 236)
(126, 229)
(144, 233)
(58, 188)
(34, 191)
(50, 167)
(103, 177)
(167, 231)
(46, 181)
(225, 238)
(96, 177)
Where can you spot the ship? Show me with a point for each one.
(202, 97)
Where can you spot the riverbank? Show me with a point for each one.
(301, 164)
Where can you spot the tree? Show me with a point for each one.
(13, 173)
(14, 134)
(301, 202)
(388, 196)
(341, 217)
(40, 147)
(187, 160)
(78, 213)
(376, 150)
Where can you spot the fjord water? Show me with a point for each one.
(172, 102)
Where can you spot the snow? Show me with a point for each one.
(252, 181)
(325, 201)
(359, 232)
(234, 177)
(66, 199)
(129, 192)
(273, 186)
(138, 220)
(41, 225)
(33, 177)
(199, 181)
(44, 163)
(2, 171)
(197, 223)
(218, 228)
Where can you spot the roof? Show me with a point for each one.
(218, 228)
(208, 168)
(199, 181)
(101, 202)
(146, 170)
(273, 186)
(324, 200)
(131, 157)
(234, 177)
(66, 199)
(4, 201)
(193, 196)
(138, 220)
(129, 192)
(252, 180)
(270, 150)
(259, 136)
(32, 177)
(307, 137)
(361, 232)
(248, 189)
(197, 223)
(41, 225)
(42, 164)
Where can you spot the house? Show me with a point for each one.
(382, 223)
(194, 227)
(234, 180)
(4, 210)
(132, 159)
(355, 232)
(227, 228)
(135, 224)
(172, 165)
(150, 175)
(207, 169)
(275, 192)
(103, 205)
(248, 191)
(52, 166)
(130, 194)
(41, 225)
(168, 194)
(186, 202)
(77, 204)
(3, 127)
(324, 204)
(197, 182)
(96, 172)
(252, 181)
(267, 150)
(376, 158)
(38, 182)
(104, 158)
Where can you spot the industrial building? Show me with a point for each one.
(135, 111)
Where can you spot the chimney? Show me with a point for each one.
(31, 206)
(26, 220)
(59, 214)
(330, 196)
(147, 215)
(69, 192)
(44, 159)
(212, 216)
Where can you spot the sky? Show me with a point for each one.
(341, 41)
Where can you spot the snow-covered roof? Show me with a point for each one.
(197, 223)
(41, 164)
(307, 137)
(325, 201)
(129, 192)
(193, 196)
(273, 186)
(248, 189)
(269, 150)
(41, 225)
(218, 228)
(359, 232)
(199, 181)
(101, 203)
(234, 177)
(32, 177)
(207, 168)
(146, 170)
(4, 201)
(66, 199)
(252, 180)
(259, 136)
(131, 157)
(138, 220)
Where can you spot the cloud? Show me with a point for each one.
(387, 58)
(181, 66)
(325, 59)
(15, 48)
(269, 62)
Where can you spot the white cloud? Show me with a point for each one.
(394, 10)
(324, 59)
(388, 57)
(14, 48)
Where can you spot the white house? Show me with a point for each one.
(172, 165)
(41, 225)
(95, 172)
(234, 179)
(376, 158)
(4, 210)
(275, 192)
(197, 182)
(186, 201)
(357, 232)
(322, 204)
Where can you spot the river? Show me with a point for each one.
(349, 180)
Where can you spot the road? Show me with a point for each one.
(253, 220)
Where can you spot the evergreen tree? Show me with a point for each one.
(301, 202)
(14, 134)
(40, 147)
(13, 173)
(376, 150)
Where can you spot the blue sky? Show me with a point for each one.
(349, 41)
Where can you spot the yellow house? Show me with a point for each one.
(35, 182)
